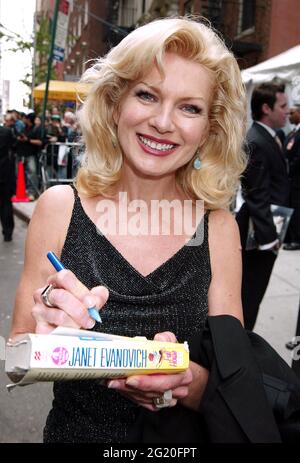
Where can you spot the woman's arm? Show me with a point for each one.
(224, 295)
(47, 232)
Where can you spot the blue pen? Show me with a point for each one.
(59, 266)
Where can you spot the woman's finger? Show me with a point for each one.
(165, 336)
(121, 386)
(102, 293)
(49, 318)
(67, 303)
(160, 383)
(180, 392)
(67, 280)
(146, 402)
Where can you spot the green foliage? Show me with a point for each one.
(18, 43)
(43, 38)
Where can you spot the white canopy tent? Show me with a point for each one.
(284, 67)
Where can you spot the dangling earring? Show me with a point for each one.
(197, 161)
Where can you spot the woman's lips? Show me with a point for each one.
(153, 151)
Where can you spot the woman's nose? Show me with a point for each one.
(162, 120)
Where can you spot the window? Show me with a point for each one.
(79, 25)
(247, 15)
(189, 7)
(127, 13)
(86, 12)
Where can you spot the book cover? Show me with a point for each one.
(68, 354)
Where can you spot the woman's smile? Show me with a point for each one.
(156, 147)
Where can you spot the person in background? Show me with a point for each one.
(281, 135)
(19, 122)
(37, 121)
(164, 121)
(55, 135)
(264, 182)
(47, 117)
(9, 121)
(29, 144)
(69, 127)
(292, 152)
(54, 129)
(7, 178)
(55, 111)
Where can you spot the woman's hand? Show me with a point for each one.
(70, 300)
(142, 389)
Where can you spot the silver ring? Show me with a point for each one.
(45, 295)
(164, 400)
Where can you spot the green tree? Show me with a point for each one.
(42, 43)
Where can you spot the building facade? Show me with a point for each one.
(86, 33)
(255, 30)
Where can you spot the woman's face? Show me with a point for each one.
(162, 121)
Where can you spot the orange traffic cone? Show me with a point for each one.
(21, 196)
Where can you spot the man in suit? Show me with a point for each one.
(7, 182)
(292, 151)
(264, 182)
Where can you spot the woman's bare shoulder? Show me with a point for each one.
(221, 216)
(222, 224)
(52, 213)
(56, 196)
(224, 237)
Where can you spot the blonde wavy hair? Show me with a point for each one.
(222, 155)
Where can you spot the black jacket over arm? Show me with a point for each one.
(252, 395)
(264, 182)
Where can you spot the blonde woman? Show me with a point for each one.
(146, 228)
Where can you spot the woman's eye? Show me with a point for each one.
(146, 96)
(192, 109)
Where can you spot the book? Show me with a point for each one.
(281, 218)
(70, 354)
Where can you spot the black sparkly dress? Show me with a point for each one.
(174, 297)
